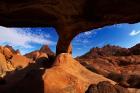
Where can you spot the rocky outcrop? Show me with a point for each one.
(10, 60)
(3, 65)
(107, 50)
(66, 76)
(106, 87)
(5, 56)
(6, 52)
(120, 68)
(135, 49)
(68, 17)
(44, 51)
(69, 76)
(19, 61)
(12, 50)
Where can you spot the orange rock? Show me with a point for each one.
(43, 55)
(68, 76)
(47, 50)
(19, 61)
(33, 55)
(70, 49)
(7, 52)
(3, 64)
(1, 49)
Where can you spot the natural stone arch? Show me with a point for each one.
(69, 17)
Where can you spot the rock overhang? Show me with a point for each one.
(69, 17)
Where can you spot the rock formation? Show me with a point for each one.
(69, 76)
(66, 76)
(135, 49)
(19, 61)
(44, 51)
(3, 65)
(12, 50)
(11, 60)
(106, 87)
(107, 50)
(68, 17)
(5, 56)
(116, 63)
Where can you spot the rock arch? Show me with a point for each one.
(69, 17)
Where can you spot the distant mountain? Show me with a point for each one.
(47, 50)
(12, 49)
(44, 51)
(107, 50)
(119, 64)
(135, 50)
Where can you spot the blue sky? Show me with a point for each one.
(30, 39)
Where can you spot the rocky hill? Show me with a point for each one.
(65, 75)
(116, 63)
(107, 50)
(111, 50)
(135, 49)
(11, 60)
(44, 51)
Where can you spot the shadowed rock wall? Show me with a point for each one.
(69, 17)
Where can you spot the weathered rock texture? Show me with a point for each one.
(69, 17)
(44, 51)
(19, 61)
(11, 60)
(106, 87)
(119, 64)
(5, 56)
(12, 50)
(68, 76)
(3, 65)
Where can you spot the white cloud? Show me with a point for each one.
(23, 39)
(134, 33)
(87, 33)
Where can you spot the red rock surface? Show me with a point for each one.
(120, 68)
(5, 56)
(69, 17)
(69, 76)
(11, 60)
(66, 76)
(106, 87)
(19, 61)
(107, 50)
(47, 50)
(44, 51)
(12, 50)
(3, 64)
(135, 49)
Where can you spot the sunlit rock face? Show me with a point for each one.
(12, 50)
(43, 52)
(69, 17)
(10, 60)
(68, 76)
(19, 61)
(116, 63)
(3, 65)
(5, 56)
